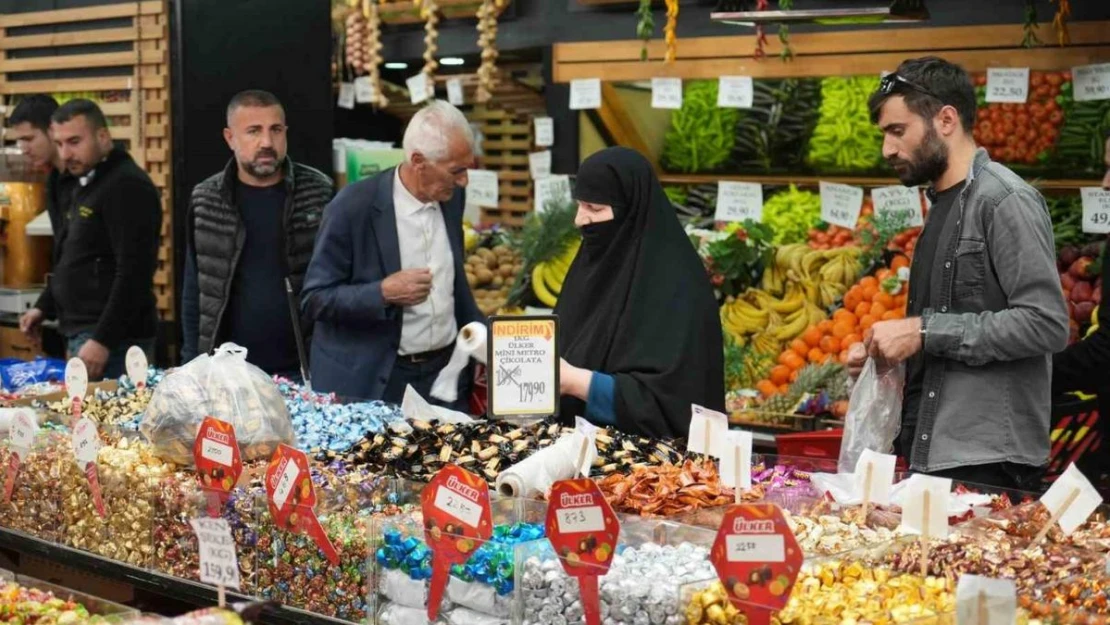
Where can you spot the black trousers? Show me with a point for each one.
(422, 375)
(1015, 479)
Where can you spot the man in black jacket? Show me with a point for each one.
(250, 228)
(107, 217)
(29, 127)
(1085, 366)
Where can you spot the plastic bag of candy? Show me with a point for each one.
(16, 374)
(227, 387)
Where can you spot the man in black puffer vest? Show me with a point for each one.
(250, 228)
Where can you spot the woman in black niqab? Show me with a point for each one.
(641, 332)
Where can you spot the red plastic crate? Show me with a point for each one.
(823, 444)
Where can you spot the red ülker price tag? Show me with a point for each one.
(292, 498)
(583, 531)
(86, 446)
(216, 453)
(457, 521)
(757, 559)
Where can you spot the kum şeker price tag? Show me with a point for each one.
(757, 559)
(544, 129)
(1096, 210)
(219, 464)
(1008, 84)
(735, 92)
(481, 190)
(77, 384)
(737, 201)
(841, 204)
(292, 498)
(219, 564)
(21, 437)
(523, 371)
(583, 531)
(552, 191)
(346, 99)
(455, 92)
(585, 93)
(900, 201)
(136, 365)
(1091, 82)
(666, 93)
(457, 520)
(86, 446)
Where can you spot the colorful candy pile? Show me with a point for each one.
(324, 424)
(19, 604)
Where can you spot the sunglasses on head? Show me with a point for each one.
(891, 81)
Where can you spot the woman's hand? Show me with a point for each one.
(574, 381)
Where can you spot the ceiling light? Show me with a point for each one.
(451, 60)
(396, 65)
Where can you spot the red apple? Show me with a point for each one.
(1083, 312)
(1067, 281)
(1079, 269)
(1081, 292)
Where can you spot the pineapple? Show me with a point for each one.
(811, 379)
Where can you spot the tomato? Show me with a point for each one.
(1056, 117)
(1031, 135)
(980, 80)
(986, 138)
(1051, 106)
(982, 114)
(1036, 79)
(1066, 75)
(1054, 79)
(1042, 91)
(1007, 128)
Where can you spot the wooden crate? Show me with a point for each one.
(132, 86)
(506, 142)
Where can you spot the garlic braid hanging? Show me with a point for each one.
(669, 31)
(429, 11)
(487, 38)
(374, 50)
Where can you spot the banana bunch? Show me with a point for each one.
(548, 276)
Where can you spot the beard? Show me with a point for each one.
(263, 170)
(928, 162)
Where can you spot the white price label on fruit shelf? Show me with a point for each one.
(364, 90)
(455, 92)
(841, 204)
(77, 378)
(539, 164)
(482, 189)
(544, 131)
(346, 98)
(420, 88)
(1096, 210)
(585, 93)
(666, 93)
(735, 92)
(551, 191)
(1091, 82)
(737, 201)
(899, 200)
(1008, 84)
(219, 564)
(86, 442)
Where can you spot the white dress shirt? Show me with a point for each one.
(422, 237)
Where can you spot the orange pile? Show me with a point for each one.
(872, 299)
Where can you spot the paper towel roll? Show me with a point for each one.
(471, 343)
(534, 475)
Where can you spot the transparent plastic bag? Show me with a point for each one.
(874, 414)
(227, 387)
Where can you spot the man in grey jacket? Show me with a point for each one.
(985, 310)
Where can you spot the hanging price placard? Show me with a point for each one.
(219, 564)
(218, 461)
(523, 371)
(583, 531)
(841, 204)
(1091, 82)
(457, 521)
(364, 90)
(1010, 84)
(545, 131)
(585, 93)
(738, 201)
(539, 164)
(292, 498)
(735, 92)
(482, 190)
(899, 201)
(552, 192)
(666, 93)
(420, 88)
(1096, 210)
(346, 99)
(455, 92)
(757, 559)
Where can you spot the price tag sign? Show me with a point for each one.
(539, 164)
(455, 92)
(77, 379)
(523, 371)
(874, 477)
(544, 129)
(292, 498)
(737, 201)
(1071, 499)
(420, 88)
(841, 204)
(1091, 82)
(219, 463)
(736, 460)
(219, 564)
(86, 446)
(707, 429)
(457, 520)
(585, 93)
(364, 90)
(1009, 84)
(1096, 210)
(985, 601)
(136, 364)
(346, 98)
(21, 437)
(552, 191)
(735, 92)
(756, 556)
(583, 531)
(901, 201)
(482, 189)
(666, 93)
(925, 506)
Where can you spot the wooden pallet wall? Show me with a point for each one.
(506, 142)
(124, 65)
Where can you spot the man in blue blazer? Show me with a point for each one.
(385, 287)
